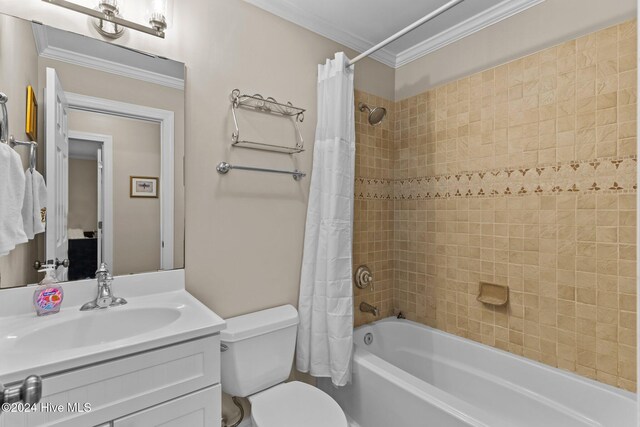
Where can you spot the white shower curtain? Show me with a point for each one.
(325, 333)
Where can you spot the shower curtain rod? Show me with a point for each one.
(404, 31)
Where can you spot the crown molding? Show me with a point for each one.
(298, 16)
(47, 50)
(472, 25)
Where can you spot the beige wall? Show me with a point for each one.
(524, 175)
(136, 221)
(241, 219)
(544, 25)
(222, 53)
(83, 194)
(18, 68)
(244, 230)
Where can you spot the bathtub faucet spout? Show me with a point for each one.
(368, 308)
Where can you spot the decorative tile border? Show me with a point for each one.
(602, 175)
(374, 188)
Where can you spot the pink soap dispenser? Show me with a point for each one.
(48, 296)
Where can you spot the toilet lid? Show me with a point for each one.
(296, 404)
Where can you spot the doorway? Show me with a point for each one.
(90, 203)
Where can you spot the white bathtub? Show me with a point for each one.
(412, 375)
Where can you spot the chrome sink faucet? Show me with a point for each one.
(105, 296)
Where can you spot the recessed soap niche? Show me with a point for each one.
(493, 294)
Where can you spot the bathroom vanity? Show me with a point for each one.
(153, 361)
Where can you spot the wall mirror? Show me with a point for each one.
(107, 125)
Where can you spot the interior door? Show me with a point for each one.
(100, 207)
(57, 168)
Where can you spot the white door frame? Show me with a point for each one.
(107, 192)
(166, 120)
(57, 168)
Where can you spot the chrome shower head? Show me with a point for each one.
(376, 114)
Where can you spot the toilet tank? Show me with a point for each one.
(257, 350)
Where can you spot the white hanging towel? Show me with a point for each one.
(39, 203)
(325, 333)
(27, 204)
(12, 182)
(35, 200)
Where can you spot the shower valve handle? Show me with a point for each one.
(363, 277)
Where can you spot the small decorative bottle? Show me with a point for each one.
(48, 296)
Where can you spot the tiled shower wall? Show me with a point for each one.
(522, 175)
(373, 213)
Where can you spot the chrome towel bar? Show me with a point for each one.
(224, 168)
(6, 138)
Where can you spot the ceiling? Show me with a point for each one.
(360, 24)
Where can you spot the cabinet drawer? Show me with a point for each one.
(199, 409)
(123, 386)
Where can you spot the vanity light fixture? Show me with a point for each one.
(111, 24)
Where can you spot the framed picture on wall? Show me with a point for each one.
(144, 186)
(31, 126)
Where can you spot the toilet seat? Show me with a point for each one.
(295, 404)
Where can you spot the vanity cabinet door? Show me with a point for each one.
(124, 386)
(198, 409)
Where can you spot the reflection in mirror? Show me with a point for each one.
(110, 151)
(132, 244)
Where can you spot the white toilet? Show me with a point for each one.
(257, 355)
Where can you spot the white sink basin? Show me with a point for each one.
(97, 327)
(43, 345)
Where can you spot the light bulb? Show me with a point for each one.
(159, 6)
(158, 14)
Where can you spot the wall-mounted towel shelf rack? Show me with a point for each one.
(223, 168)
(270, 106)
